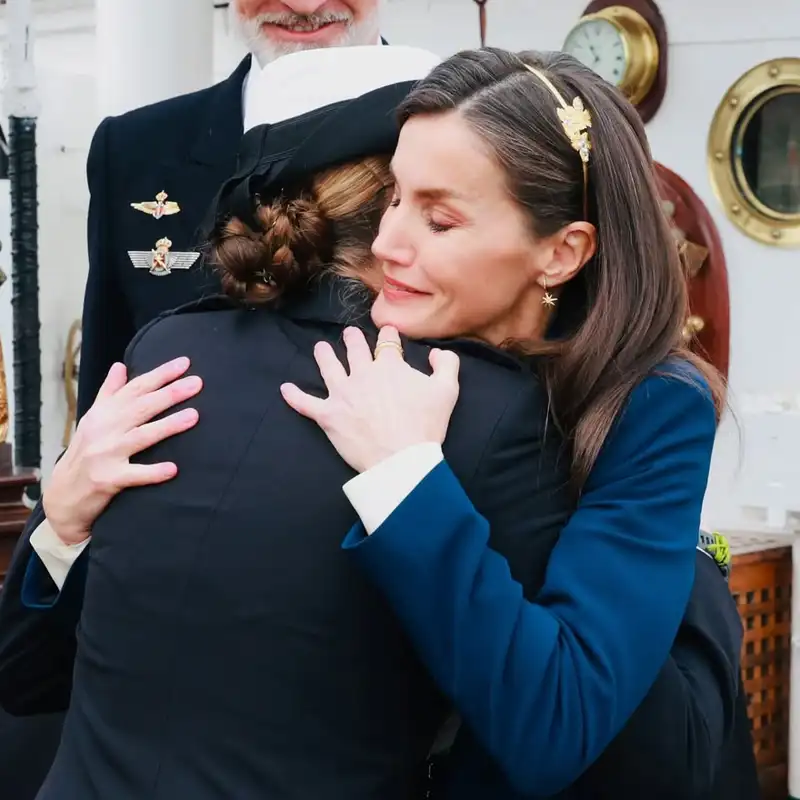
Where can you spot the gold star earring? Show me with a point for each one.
(547, 299)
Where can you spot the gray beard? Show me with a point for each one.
(366, 32)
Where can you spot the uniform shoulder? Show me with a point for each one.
(169, 322)
(502, 400)
(162, 117)
(489, 374)
(165, 127)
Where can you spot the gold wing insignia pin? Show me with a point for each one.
(160, 207)
(161, 261)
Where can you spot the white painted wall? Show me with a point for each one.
(712, 43)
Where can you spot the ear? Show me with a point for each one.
(571, 248)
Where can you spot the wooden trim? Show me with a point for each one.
(708, 290)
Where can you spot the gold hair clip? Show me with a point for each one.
(575, 120)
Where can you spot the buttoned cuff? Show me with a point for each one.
(376, 493)
(57, 556)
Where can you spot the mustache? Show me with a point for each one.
(288, 18)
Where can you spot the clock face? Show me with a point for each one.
(599, 45)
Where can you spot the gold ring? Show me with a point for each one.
(383, 345)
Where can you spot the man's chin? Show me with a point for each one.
(274, 48)
(274, 43)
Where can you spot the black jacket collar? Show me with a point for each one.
(221, 127)
(337, 301)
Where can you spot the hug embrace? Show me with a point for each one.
(423, 520)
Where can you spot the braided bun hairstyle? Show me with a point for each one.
(326, 226)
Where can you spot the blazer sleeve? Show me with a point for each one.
(680, 732)
(37, 630)
(546, 685)
(107, 323)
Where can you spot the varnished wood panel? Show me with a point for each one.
(761, 584)
(708, 288)
(13, 512)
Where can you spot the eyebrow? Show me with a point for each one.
(432, 192)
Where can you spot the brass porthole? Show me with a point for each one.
(754, 153)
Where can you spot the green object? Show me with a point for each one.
(716, 545)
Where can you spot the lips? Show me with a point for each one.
(397, 292)
(398, 286)
(305, 28)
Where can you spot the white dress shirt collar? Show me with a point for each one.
(248, 87)
(251, 81)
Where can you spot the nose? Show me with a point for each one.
(393, 245)
(304, 6)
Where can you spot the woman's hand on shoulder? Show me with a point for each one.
(96, 465)
(383, 405)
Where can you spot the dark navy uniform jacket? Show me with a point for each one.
(185, 146)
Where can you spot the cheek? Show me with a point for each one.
(485, 286)
(466, 304)
(249, 8)
(361, 8)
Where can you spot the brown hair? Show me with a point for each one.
(326, 226)
(620, 319)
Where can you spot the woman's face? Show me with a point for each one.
(457, 253)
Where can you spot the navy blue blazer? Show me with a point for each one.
(535, 661)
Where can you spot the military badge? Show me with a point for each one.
(160, 207)
(161, 261)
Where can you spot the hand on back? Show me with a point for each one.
(96, 466)
(383, 405)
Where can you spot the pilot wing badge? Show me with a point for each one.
(161, 261)
(160, 207)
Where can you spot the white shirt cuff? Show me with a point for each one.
(376, 493)
(57, 556)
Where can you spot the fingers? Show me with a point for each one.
(389, 345)
(330, 368)
(305, 404)
(359, 356)
(158, 377)
(147, 474)
(152, 433)
(445, 366)
(154, 403)
(117, 377)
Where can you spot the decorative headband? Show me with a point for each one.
(576, 120)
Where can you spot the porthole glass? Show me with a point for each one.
(754, 152)
(767, 152)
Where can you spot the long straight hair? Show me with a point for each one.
(621, 318)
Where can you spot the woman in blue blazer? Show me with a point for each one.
(531, 665)
(531, 659)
